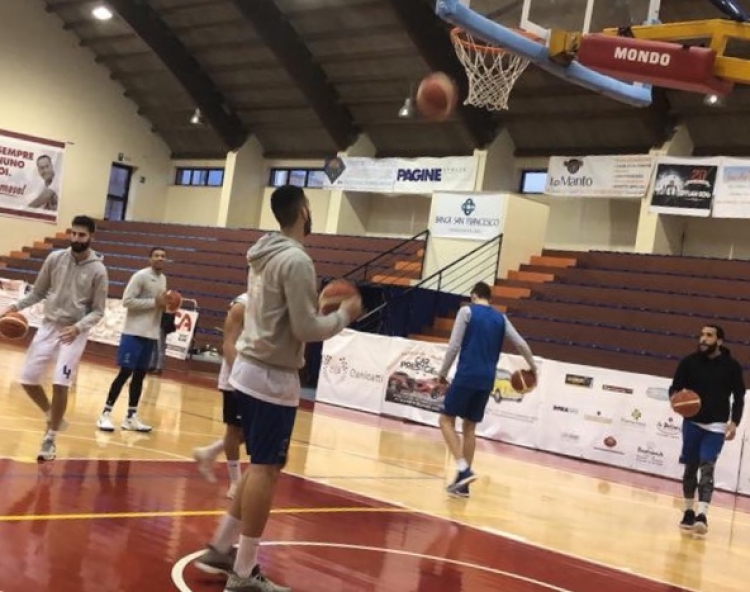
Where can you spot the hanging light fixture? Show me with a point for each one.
(197, 118)
(407, 109)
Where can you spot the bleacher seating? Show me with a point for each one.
(632, 312)
(208, 264)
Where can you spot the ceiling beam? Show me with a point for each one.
(146, 23)
(292, 53)
(428, 33)
(578, 151)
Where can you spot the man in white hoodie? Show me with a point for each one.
(281, 316)
(73, 283)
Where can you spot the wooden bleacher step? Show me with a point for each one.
(19, 255)
(432, 338)
(510, 292)
(530, 276)
(547, 261)
(408, 266)
(391, 280)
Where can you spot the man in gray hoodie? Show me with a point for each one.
(281, 316)
(73, 283)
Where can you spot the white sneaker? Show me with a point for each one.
(48, 450)
(232, 491)
(205, 464)
(104, 423)
(133, 424)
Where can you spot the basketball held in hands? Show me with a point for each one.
(13, 326)
(523, 381)
(334, 294)
(686, 402)
(173, 301)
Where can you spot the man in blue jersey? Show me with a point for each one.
(479, 332)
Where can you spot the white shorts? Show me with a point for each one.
(45, 348)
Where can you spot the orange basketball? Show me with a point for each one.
(523, 381)
(686, 402)
(13, 326)
(174, 300)
(437, 96)
(334, 294)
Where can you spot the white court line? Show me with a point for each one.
(178, 575)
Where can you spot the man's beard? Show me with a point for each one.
(709, 350)
(308, 224)
(79, 247)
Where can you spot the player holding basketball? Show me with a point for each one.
(717, 378)
(479, 332)
(281, 316)
(230, 443)
(144, 299)
(73, 283)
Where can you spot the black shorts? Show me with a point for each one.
(267, 429)
(231, 410)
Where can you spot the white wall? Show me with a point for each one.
(193, 205)
(52, 88)
(585, 223)
(400, 216)
(592, 223)
(716, 237)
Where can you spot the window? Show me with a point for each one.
(199, 177)
(117, 193)
(302, 177)
(533, 181)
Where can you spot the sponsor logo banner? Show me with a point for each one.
(624, 176)
(477, 216)
(401, 175)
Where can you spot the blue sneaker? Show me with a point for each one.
(462, 478)
(462, 491)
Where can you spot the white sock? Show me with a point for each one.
(247, 556)
(703, 508)
(461, 464)
(51, 435)
(226, 533)
(233, 468)
(689, 503)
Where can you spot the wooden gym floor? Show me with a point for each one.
(361, 508)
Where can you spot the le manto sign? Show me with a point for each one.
(476, 216)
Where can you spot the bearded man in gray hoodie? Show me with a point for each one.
(280, 317)
(73, 283)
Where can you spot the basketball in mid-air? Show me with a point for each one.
(437, 96)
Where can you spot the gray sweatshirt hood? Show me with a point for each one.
(267, 248)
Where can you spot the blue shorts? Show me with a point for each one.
(135, 352)
(231, 409)
(267, 429)
(698, 445)
(465, 402)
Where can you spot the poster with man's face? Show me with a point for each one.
(30, 176)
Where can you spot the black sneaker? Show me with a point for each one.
(215, 562)
(688, 520)
(701, 524)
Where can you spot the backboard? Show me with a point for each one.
(586, 16)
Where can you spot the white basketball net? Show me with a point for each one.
(492, 72)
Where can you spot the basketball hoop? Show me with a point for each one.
(492, 70)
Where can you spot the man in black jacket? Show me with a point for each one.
(716, 376)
